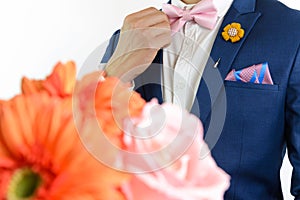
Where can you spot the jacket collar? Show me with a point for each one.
(243, 6)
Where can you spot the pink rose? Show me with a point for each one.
(174, 170)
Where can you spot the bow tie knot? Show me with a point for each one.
(186, 16)
(204, 13)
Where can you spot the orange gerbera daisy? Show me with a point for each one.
(41, 156)
(60, 82)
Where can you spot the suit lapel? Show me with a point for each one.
(227, 51)
(244, 14)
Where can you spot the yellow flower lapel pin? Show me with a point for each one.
(233, 32)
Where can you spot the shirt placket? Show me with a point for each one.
(182, 69)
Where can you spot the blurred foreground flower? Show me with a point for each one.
(102, 106)
(41, 155)
(142, 129)
(59, 83)
(191, 176)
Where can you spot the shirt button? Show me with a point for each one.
(180, 85)
(187, 42)
(181, 62)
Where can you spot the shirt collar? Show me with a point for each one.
(221, 5)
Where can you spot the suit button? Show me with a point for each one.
(187, 42)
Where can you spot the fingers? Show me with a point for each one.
(144, 12)
(148, 28)
(144, 38)
(162, 25)
(149, 17)
(143, 33)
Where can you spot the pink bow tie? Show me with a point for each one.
(204, 13)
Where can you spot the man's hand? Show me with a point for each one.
(142, 35)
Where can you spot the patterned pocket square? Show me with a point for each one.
(254, 74)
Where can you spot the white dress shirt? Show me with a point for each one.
(185, 58)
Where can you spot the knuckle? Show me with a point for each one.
(136, 24)
(128, 18)
(152, 8)
(166, 24)
(132, 22)
(164, 17)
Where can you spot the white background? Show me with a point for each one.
(35, 34)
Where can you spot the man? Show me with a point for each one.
(262, 115)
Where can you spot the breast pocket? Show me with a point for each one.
(250, 117)
(255, 103)
(256, 111)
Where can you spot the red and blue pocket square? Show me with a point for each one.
(259, 74)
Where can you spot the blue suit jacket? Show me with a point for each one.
(260, 120)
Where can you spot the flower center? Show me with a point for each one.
(232, 32)
(23, 184)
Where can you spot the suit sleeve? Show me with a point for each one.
(111, 47)
(293, 124)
